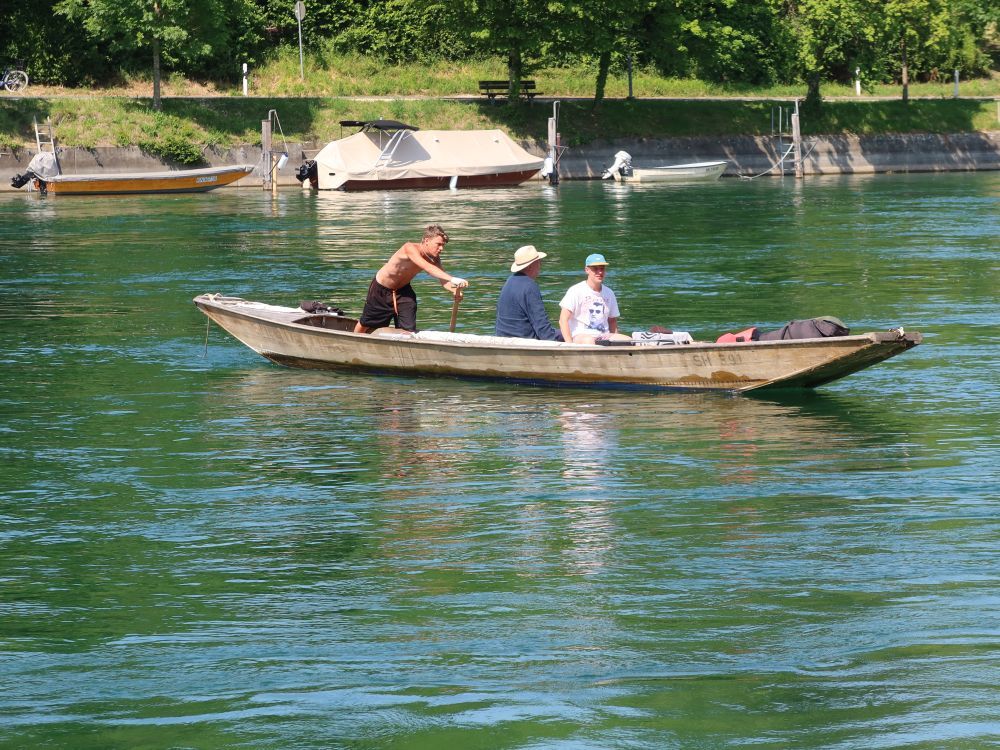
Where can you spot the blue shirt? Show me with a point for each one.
(520, 311)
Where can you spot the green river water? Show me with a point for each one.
(200, 549)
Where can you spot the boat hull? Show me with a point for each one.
(496, 179)
(698, 172)
(295, 338)
(180, 181)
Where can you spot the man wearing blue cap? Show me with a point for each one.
(589, 309)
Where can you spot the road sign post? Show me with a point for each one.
(300, 13)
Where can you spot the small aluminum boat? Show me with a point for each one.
(702, 171)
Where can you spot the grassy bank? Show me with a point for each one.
(350, 76)
(196, 116)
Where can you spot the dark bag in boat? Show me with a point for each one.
(316, 307)
(813, 328)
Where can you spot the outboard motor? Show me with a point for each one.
(308, 171)
(42, 167)
(622, 165)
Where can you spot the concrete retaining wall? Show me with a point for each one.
(748, 155)
(834, 154)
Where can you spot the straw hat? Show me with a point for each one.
(524, 257)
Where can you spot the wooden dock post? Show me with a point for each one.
(265, 156)
(797, 142)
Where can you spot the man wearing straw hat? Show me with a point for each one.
(520, 311)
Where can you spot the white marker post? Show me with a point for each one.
(300, 13)
(245, 89)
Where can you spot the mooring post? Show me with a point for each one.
(554, 144)
(797, 141)
(265, 155)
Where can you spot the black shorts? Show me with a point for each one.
(380, 309)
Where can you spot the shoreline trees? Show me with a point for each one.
(725, 41)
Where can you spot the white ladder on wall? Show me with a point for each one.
(44, 140)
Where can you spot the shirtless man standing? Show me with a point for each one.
(390, 295)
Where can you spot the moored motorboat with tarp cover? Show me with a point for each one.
(391, 155)
(326, 341)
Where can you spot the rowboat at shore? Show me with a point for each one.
(44, 174)
(325, 341)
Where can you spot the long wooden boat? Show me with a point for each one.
(123, 183)
(295, 338)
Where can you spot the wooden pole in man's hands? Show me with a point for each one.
(454, 309)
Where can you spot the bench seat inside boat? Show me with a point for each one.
(331, 322)
(465, 338)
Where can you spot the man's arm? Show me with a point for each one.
(564, 316)
(418, 259)
(613, 312)
(539, 319)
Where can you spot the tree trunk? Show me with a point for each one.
(156, 57)
(814, 101)
(156, 73)
(603, 66)
(906, 72)
(514, 70)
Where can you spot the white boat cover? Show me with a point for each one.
(421, 153)
(44, 165)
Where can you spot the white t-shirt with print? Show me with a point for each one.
(589, 310)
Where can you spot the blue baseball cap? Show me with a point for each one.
(595, 259)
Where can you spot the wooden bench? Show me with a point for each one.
(492, 88)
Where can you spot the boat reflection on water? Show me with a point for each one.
(435, 432)
(430, 476)
(590, 451)
(483, 218)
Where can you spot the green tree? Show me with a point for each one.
(396, 31)
(974, 45)
(52, 51)
(735, 42)
(830, 35)
(518, 30)
(914, 25)
(597, 29)
(922, 38)
(174, 31)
